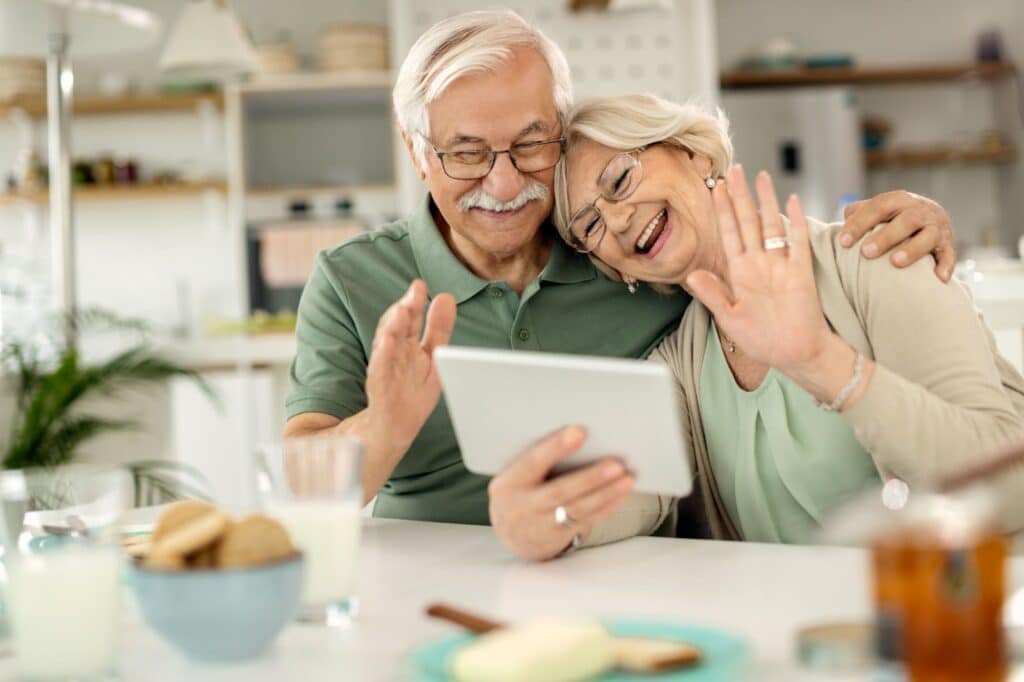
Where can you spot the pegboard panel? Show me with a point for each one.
(665, 47)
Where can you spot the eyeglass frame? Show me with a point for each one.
(576, 243)
(494, 156)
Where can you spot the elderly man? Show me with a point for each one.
(480, 100)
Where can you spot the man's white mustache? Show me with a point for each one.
(478, 198)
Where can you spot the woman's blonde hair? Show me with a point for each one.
(629, 122)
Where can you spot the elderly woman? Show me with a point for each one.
(806, 372)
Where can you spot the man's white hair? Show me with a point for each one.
(464, 44)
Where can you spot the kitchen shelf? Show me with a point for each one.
(121, 192)
(316, 81)
(304, 191)
(900, 157)
(137, 103)
(864, 75)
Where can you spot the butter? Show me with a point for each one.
(548, 651)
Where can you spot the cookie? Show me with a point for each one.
(192, 536)
(164, 562)
(254, 540)
(649, 656)
(177, 515)
(137, 550)
(204, 558)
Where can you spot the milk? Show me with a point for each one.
(64, 612)
(327, 533)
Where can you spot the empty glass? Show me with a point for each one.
(314, 487)
(60, 530)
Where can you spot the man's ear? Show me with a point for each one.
(422, 172)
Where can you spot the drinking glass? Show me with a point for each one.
(314, 487)
(60, 530)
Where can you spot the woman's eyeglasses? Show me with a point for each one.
(617, 181)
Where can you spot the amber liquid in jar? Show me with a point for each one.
(939, 607)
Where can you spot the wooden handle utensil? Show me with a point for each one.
(635, 654)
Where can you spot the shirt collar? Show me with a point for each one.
(565, 264)
(442, 271)
(439, 267)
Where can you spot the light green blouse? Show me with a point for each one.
(780, 463)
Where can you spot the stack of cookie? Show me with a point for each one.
(197, 535)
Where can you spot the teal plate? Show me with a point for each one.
(724, 654)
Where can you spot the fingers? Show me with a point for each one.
(727, 225)
(863, 216)
(440, 322)
(946, 263)
(710, 291)
(577, 484)
(799, 235)
(396, 322)
(889, 235)
(402, 318)
(602, 502)
(850, 209)
(921, 244)
(746, 211)
(771, 214)
(533, 466)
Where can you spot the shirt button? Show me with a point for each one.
(524, 334)
(496, 292)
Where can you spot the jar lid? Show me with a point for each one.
(837, 647)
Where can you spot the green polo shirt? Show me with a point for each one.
(570, 308)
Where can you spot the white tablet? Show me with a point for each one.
(500, 402)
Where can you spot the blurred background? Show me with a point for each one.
(205, 177)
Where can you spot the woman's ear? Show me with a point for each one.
(704, 166)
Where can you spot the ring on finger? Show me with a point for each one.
(773, 243)
(563, 519)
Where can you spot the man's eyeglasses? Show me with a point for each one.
(617, 181)
(475, 163)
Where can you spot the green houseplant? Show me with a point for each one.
(51, 421)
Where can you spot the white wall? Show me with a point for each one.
(910, 32)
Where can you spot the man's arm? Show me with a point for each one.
(402, 387)
(912, 227)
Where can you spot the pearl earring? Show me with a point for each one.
(631, 285)
(710, 182)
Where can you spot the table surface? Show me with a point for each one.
(764, 593)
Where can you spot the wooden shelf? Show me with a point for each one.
(864, 75)
(121, 192)
(138, 103)
(313, 81)
(937, 156)
(298, 192)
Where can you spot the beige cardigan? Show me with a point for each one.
(941, 397)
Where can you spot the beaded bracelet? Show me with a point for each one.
(844, 394)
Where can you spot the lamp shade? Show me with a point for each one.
(207, 43)
(98, 27)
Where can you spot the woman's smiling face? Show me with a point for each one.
(662, 231)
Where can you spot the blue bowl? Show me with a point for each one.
(215, 615)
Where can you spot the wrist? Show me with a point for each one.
(826, 372)
(382, 438)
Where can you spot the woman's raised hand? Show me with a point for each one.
(769, 306)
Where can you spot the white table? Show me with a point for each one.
(762, 592)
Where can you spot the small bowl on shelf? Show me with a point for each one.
(220, 614)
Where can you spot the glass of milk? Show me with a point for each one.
(314, 487)
(60, 530)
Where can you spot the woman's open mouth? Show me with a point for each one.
(649, 237)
